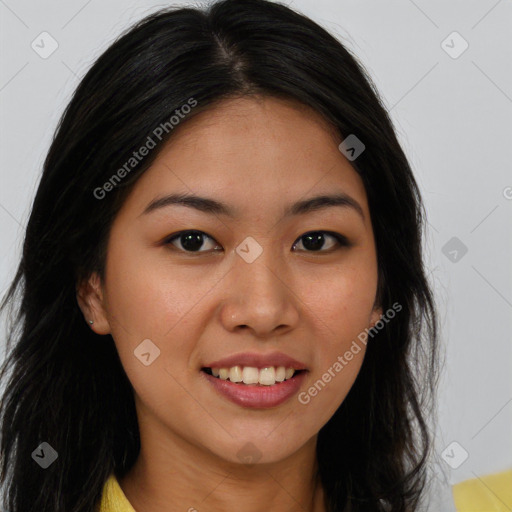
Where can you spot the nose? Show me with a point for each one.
(258, 298)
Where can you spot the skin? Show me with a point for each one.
(257, 155)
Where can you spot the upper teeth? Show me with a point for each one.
(251, 375)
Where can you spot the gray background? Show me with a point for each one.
(454, 120)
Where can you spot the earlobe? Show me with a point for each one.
(90, 298)
(375, 316)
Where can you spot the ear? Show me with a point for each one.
(375, 316)
(90, 298)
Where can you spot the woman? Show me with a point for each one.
(223, 299)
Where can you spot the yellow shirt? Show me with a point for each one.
(113, 498)
(492, 493)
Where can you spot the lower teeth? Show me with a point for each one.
(256, 384)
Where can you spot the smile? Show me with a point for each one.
(247, 375)
(255, 395)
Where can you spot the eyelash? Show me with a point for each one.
(342, 240)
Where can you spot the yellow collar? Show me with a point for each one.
(470, 495)
(113, 498)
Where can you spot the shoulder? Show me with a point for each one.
(490, 493)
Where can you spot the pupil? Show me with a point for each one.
(313, 241)
(192, 241)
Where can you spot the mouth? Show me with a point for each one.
(253, 376)
(251, 387)
(255, 380)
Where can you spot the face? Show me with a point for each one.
(254, 283)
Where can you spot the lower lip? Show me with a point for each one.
(254, 396)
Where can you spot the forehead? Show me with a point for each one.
(254, 123)
(256, 151)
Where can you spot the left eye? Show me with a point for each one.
(313, 241)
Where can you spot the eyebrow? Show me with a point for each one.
(214, 207)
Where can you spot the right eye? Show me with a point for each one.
(190, 241)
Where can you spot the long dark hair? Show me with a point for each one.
(66, 385)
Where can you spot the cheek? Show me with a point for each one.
(149, 309)
(342, 302)
(340, 305)
(328, 388)
(146, 297)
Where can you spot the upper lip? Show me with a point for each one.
(257, 360)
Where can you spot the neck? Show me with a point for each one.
(175, 475)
